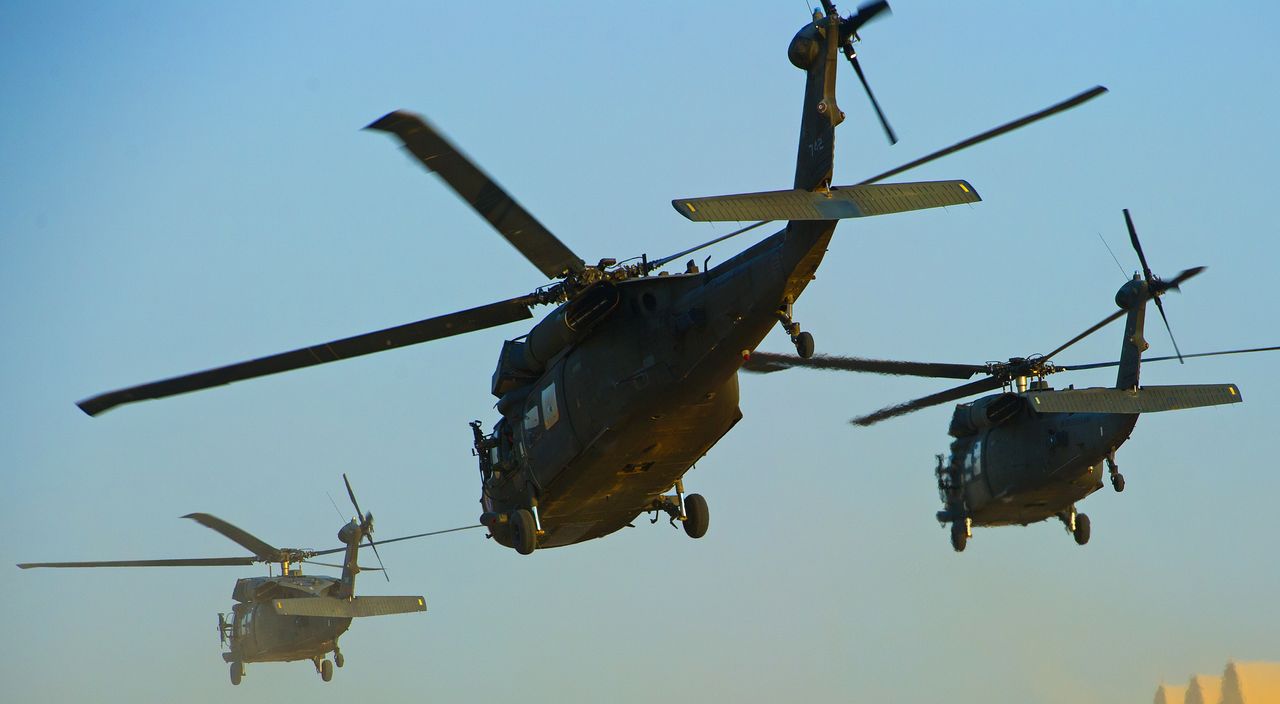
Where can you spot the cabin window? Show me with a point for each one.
(531, 418)
(550, 411)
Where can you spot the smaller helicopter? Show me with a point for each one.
(291, 616)
(1030, 453)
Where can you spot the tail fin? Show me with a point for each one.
(1132, 296)
(815, 49)
(351, 534)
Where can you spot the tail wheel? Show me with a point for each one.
(524, 534)
(697, 518)
(959, 536)
(237, 672)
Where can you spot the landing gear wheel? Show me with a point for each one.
(1117, 482)
(338, 659)
(696, 516)
(1081, 533)
(524, 534)
(326, 670)
(804, 345)
(959, 536)
(237, 672)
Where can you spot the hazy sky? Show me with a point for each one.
(187, 186)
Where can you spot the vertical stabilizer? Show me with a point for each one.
(1132, 297)
(815, 50)
(351, 534)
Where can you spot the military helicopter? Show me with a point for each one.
(611, 398)
(1030, 452)
(291, 616)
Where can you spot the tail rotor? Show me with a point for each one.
(366, 525)
(1155, 286)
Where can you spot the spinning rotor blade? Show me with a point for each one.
(1156, 286)
(513, 222)
(849, 32)
(1007, 127)
(959, 392)
(867, 11)
(260, 548)
(1100, 365)
(766, 362)
(192, 562)
(480, 318)
(368, 525)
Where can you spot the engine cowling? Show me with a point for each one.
(989, 412)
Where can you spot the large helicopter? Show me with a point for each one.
(1030, 452)
(608, 401)
(291, 616)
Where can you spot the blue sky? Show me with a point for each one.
(187, 186)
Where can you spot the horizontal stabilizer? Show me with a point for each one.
(354, 608)
(838, 203)
(1147, 399)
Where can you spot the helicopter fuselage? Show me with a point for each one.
(1031, 467)
(620, 415)
(258, 634)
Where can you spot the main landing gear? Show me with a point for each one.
(518, 529)
(1117, 479)
(1077, 524)
(961, 531)
(237, 672)
(691, 511)
(802, 340)
(324, 667)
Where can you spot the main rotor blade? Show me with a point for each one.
(1100, 365)
(181, 562)
(959, 392)
(436, 328)
(330, 564)
(396, 540)
(494, 204)
(1007, 127)
(252, 543)
(766, 362)
(659, 263)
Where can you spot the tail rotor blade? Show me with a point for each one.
(352, 494)
(1137, 246)
(1160, 307)
(857, 68)
(375, 553)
